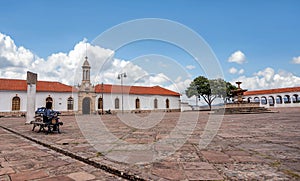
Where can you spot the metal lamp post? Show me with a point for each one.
(121, 76)
(102, 89)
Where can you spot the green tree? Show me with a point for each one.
(209, 90)
(229, 88)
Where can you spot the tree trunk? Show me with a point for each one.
(209, 104)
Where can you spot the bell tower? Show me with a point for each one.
(86, 94)
(86, 71)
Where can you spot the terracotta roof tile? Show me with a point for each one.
(47, 86)
(42, 86)
(272, 91)
(156, 90)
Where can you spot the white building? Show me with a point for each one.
(281, 97)
(87, 98)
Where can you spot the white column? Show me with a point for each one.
(31, 92)
(260, 104)
(275, 100)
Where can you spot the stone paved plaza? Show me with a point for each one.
(245, 147)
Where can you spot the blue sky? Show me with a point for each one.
(265, 32)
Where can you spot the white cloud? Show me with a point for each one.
(11, 55)
(296, 60)
(66, 67)
(15, 61)
(190, 67)
(237, 57)
(179, 86)
(233, 70)
(241, 71)
(269, 79)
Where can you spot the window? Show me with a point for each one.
(100, 103)
(137, 103)
(155, 103)
(16, 103)
(70, 103)
(167, 104)
(117, 103)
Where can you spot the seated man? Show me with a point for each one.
(47, 118)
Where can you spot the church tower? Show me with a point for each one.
(86, 94)
(86, 68)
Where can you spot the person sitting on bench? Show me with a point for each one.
(47, 118)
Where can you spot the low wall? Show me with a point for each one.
(13, 114)
(244, 104)
(23, 113)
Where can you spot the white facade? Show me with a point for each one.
(186, 107)
(146, 102)
(283, 99)
(85, 98)
(6, 100)
(60, 100)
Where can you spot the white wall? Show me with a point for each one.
(146, 101)
(6, 100)
(185, 107)
(275, 96)
(59, 100)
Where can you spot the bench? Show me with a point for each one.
(52, 126)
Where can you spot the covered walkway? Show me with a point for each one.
(281, 97)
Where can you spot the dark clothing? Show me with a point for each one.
(47, 116)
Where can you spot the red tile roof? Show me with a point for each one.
(42, 86)
(47, 86)
(272, 91)
(139, 90)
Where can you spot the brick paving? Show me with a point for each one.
(246, 147)
(21, 159)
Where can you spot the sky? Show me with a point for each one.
(256, 42)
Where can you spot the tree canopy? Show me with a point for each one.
(209, 90)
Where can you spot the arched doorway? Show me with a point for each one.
(286, 99)
(86, 105)
(155, 103)
(117, 103)
(271, 101)
(16, 103)
(100, 103)
(249, 99)
(278, 100)
(137, 103)
(167, 103)
(49, 102)
(295, 98)
(256, 99)
(263, 100)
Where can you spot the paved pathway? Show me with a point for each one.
(247, 146)
(21, 159)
